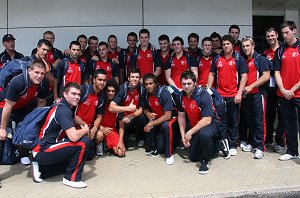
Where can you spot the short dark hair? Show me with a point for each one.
(229, 38)
(193, 35)
(290, 24)
(144, 31)
(150, 76)
(38, 63)
(92, 38)
(164, 37)
(48, 32)
(206, 39)
(234, 26)
(81, 36)
(131, 34)
(188, 74)
(103, 43)
(112, 83)
(44, 42)
(69, 85)
(99, 71)
(111, 36)
(177, 38)
(74, 43)
(134, 70)
(215, 35)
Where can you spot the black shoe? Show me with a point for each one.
(224, 147)
(154, 153)
(203, 167)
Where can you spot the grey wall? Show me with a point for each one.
(67, 19)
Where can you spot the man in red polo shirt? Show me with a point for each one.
(68, 70)
(205, 61)
(143, 58)
(254, 109)
(287, 75)
(231, 70)
(164, 53)
(105, 63)
(179, 62)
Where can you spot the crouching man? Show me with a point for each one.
(196, 107)
(60, 142)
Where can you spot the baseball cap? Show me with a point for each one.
(7, 37)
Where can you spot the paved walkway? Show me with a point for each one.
(138, 175)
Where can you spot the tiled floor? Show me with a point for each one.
(139, 176)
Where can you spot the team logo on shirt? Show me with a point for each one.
(137, 97)
(70, 70)
(108, 68)
(149, 55)
(231, 63)
(220, 64)
(192, 106)
(96, 103)
(156, 103)
(127, 98)
(172, 64)
(295, 54)
(51, 56)
(283, 56)
(200, 64)
(87, 101)
(183, 62)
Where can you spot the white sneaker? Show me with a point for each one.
(243, 144)
(248, 148)
(35, 173)
(25, 160)
(99, 149)
(170, 160)
(286, 157)
(78, 184)
(141, 143)
(233, 152)
(258, 154)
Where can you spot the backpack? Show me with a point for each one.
(14, 68)
(27, 131)
(10, 152)
(218, 101)
(173, 91)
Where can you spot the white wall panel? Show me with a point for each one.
(67, 19)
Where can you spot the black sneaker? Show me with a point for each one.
(203, 167)
(224, 147)
(154, 153)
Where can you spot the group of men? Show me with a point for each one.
(165, 97)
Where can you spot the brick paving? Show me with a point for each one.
(141, 176)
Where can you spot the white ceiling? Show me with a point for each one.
(276, 5)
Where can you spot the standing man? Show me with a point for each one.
(287, 75)
(254, 110)
(164, 53)
(125, 54)
(161, 127)
(127, 101)
(105, 63)
(68, 70)
(205, 61)
(61, 142)
(54, 55)
(234, 31)
(144, 57)
(179, 62)
(193, 49)
(196, 107)
(217, 46)
(113, 53)
(91, 52)
(227, 67)
(9, 53)
(272, 99)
